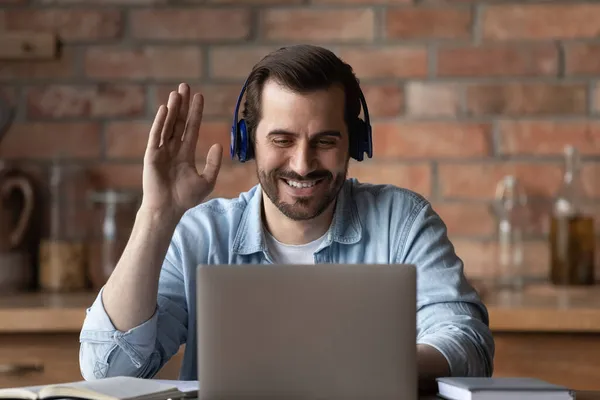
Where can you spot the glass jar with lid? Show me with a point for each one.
(62, 256)
(113, 214)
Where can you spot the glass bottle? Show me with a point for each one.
(510, 209)
(63, 251)
(571, 229)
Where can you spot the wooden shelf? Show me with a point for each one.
(540, 308)
(545, 308)
(44, 312)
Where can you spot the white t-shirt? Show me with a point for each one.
(292, 254)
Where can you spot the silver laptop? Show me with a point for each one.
(310, 332)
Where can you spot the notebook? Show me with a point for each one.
(113, 388)
(472, 388)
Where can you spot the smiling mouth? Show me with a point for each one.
(303, 184)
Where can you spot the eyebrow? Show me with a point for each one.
(316, 135)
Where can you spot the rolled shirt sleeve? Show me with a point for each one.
(143, 350)
(450, 315)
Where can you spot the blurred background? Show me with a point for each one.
(474, 105)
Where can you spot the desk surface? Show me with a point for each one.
(578, 396)
(545, 308)
(540, 308)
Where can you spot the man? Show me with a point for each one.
(301, 108)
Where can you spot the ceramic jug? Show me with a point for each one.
(15, 268)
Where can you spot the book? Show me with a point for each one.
(187, 388)
(474, 388)
(113, 388)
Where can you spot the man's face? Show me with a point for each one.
(301, 149)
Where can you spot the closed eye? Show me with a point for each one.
(327, 142)
(282, 142)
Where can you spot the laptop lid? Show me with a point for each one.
(323, 331)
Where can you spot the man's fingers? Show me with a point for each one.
(213, 163)
(157, 127)
(184, 91)
(173, 110)
(192, 128)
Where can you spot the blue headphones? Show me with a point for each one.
(359, 134)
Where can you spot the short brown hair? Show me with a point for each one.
(301, 68)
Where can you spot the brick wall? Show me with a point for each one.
(460, 92)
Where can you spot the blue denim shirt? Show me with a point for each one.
(379, 224)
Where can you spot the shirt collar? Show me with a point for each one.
(345, 227)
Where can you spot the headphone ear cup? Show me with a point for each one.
(245, 152)
(233, 147)
(359, 139)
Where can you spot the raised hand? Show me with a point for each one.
(171, 182)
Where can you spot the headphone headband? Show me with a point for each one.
(360, 133)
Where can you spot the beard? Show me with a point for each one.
(307, 207)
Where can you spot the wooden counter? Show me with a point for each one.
(39, 339)
(548, 332)
(544, 332)
(544, 308)
(43, 312)
(540, 308)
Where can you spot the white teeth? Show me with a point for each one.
(301, 184)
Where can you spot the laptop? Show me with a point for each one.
(310, 332)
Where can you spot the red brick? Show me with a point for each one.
(466, 219)
(103, 2)
(128, 139)
(589, 174)
(479, 257)
(538, 216)
(117, 175)
(190, 23)
(233, 179)
(219, 99)
(106, 2)
(549, 137)
(541, 21)
(249, 2)
(386, 62)
(235, 61)
(70, 24)
(63, 67)
(44, 140)
(425, 99)
(103, 100)
(383, 100)
(527, 99)
(582, 59)
(212, 132)
(446, 2)
(416, 177)
(431, 139)
(477, 181)
(159, 62)
(498, 60)
(428, 23)
(317, 25)
(361, 2)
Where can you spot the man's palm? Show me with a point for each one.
(171, 182)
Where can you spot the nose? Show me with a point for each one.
(303, 160)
